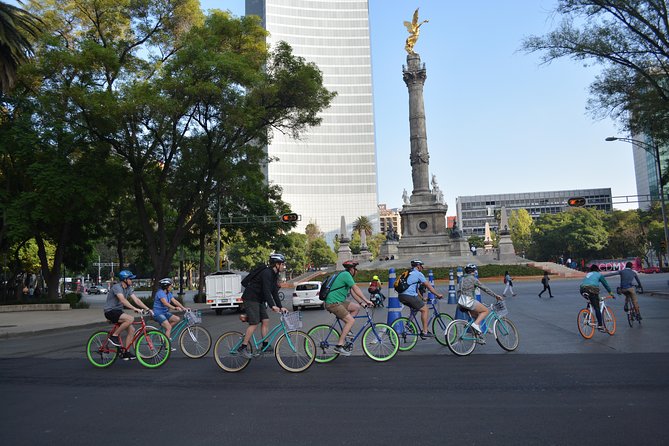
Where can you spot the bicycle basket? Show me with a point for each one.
(293, 321)
(500, 308)
(194, 317)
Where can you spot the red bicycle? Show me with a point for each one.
(152, 347)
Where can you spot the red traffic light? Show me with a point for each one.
(290, 217)
(576, 202)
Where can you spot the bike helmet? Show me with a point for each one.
(125, 274)
(277, 258)
(415, 263)
(470, 268)
(350, 264)
(375, 278)
(164, 283)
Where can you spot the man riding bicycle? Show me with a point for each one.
(411, 298)
(117, 299)
(590, 290)
(627, 278)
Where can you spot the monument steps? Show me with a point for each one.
(558, 270)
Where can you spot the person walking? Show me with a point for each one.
(544, 282)
(508, 281)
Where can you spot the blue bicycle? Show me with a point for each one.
(409, 328)
(462, 338)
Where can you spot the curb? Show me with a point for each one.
(8, 335)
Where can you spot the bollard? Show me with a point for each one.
(452, 299)
(394, 307)
(459, 274)
(430, 278)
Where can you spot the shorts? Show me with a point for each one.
(339, 309)
(631, 293)
(467, 302)
(113, 315)
(162, 317)
(414, 302)
(255, 312)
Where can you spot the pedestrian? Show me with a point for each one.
(569, 262)
(473, 248)
(544, 282)
(508, 281)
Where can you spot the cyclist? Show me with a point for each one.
(627, 278)
(263, 289)
(412, 297)
(466, 289)
(117, 299)
(163, 302)
(337, 304)
(590, 290)
(375, 294)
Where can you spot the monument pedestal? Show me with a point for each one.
(389, 249)
(343, 254)
(506, 249)
(423, 227)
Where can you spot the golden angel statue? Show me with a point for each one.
(414, 29)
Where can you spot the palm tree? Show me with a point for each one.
(16, 25)
(362, 223)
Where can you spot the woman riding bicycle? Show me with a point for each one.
(163, 303)
(590, 290)
(466, 300)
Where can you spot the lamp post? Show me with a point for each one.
(654, 150)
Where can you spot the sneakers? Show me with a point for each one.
(424, 336)
(114, 340)
(601, 328)
(342, 351)
(127, 356)
(242, 350)
(476, 327)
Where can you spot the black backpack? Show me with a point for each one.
(402, 282)
(255, 272)
(326, 285)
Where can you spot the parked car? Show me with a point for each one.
(650, 270)
(306, 295)
(97, 289)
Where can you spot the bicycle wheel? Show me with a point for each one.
(586, 324)
(295, 351)
(630, 316)
(459, 338)
(325, 338)
(439, 324)
(195, 341)
(506, 334)
(380, 342)
(407, 333)
(99, 351)
(609, 321)
(225, 352)
(153, 349)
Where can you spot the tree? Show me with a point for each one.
(477, 240)
(374, 244)
(313, 231)
(362, 223)
(244, 257)
(294, 247)
(17, 27)
(521, 229)
(320, 253)
(626, 236)
(629, 38)
(186, 102)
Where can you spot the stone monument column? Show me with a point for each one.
(414, 75)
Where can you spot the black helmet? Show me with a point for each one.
(350, 264)
(470, 268)
(277, 258)
(415, 263)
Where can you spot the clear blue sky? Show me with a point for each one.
(497, 120)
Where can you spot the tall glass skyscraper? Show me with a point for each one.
(331, 171)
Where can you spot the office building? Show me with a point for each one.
(474, 211)
(645, 172)
(331, 171)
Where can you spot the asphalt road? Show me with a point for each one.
(557, 388)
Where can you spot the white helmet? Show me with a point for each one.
(164, 283)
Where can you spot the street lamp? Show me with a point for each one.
(654, 150)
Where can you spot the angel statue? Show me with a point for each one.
(414, 29)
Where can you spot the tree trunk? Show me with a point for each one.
(200, 282)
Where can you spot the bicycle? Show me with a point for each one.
(462, 338)
(409, 328)
(587, 320)
(379, 341)
(193, 339)
(632, 314)
(294, 350)
(152, 347)
(282, 296)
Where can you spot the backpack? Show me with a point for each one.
(326, 285)
(255, 272)
(402, 284)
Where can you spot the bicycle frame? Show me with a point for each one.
(269, 337)
(139, 332)
(368, 322)
(433, 305)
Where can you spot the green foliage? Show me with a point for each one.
(476, 240)
(521, 230)
(580, 232)
(294, 247)
(374, 244)
(362, 223)
(320, 254)
(244, 257)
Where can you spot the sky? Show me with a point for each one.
(498, 120)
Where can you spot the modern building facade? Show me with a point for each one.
(474, 211)
(331, 171)
(645, 172)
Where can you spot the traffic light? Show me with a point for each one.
(289, 217)
(576, 202)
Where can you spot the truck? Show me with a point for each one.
(224, 291)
